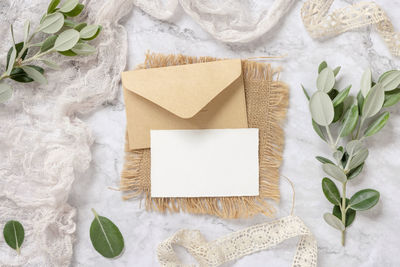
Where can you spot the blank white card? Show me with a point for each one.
(204, 163)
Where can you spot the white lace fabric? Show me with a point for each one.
(241, 243)
(44, 144)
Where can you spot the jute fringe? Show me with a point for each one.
(135, 177)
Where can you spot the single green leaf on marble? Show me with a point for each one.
(331, 191)
(321, 108)
(374, 101)
(353, 173)
(76, 11)
(350, 121)
(336, 70)
(334, 221)
(335, 172)
(390, 80)
(5, 92)
(88, 31)
(366, 80)
(83, 49)
(318, 130)
(66, 40)
(364, 199)
(68, 5)
(377, 124)
(391, 98)
(48, 43)
(350, 214)
(52, 6)
(322, 66)
(326, 80)
(35, 74)
(52, 23)
(106, 237)
(14, 234)
(323, 160)
(341, 96)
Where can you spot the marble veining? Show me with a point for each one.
(373, 239)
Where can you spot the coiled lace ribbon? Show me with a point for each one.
(241, 243)
(320, 25)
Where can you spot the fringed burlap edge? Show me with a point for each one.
(133, 184)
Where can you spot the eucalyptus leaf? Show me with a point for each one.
(19, 75)
(305, 92)
(14, 234)
(390, 80)
(68, 5)
(66, 40)
(358, 158)
(69, 23)
(338, 111)
(336, 70)
(68, 53)
(324, 160)
(353, 147)
(360, 102)
(366, 80)
(341, 96)
(333, 221)
(95, 35)
(374, 101)
(322, 66)
(321, 108)
(326, 80)
(335, 172)
(51, 64)
(5, 92)
(377, 124)
(364, 199)
(89, 31)
(350, 121)
(318, 130)
(80, 26)
(350, 214)
(76, 11)
(35, 75)
(52, 6)
(391, 98)
(330, 190)
(83, 49)
(106, 237)
(11, 61)
(27, 26)
(48, 43)
(353, 173)
(52, 23)
(338, 155)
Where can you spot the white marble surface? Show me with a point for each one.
(373, 240)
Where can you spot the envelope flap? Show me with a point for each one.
(185, 89)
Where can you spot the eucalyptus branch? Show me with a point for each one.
(65, 36)
(332, 108)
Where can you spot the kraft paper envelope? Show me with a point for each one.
(204, 163)
(194, 96)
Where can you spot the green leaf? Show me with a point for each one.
(323, 160)
(48, 43)
(321, 108)
(391, 98)
(335, 172)
(83, 49)
(50, 64)
(14, 234)
(364, 199)
(52, 6)
(336, 70)
(68, 53)
(358, 158)
(374, 101)
(326, 80)
(322, 66)
(66, 40)
(366, 80)
(89, 31)
(76, 11)
(353, 173)
(26, 30)
(80, 26)
(106, 237)
(52, 23)
(11, 61)
(377, 125)
(34, 74)
(350, 214)
(333, 221)
(341, 96)
(19, 47)
(390, 80)
(69, 23)
(69, 5)
(330, 190)
(318, 130)
(5, 92)
(350, 121)
(20, 75)
(338, 155)
(360, 102)
(338, 111)
(96, 34)
(305, 93)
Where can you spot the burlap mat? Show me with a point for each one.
(267, 100)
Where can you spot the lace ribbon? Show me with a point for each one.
(321, 25)
(241, 243)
